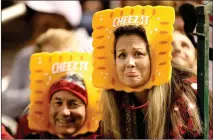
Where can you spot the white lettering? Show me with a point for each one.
(67, 66)
(75, 65)
(116, 22)
(147, 20)
(62, 66)
(70, 65)
(125, 20)
(142, 17)
(55, 68)
(131, 20)
(83, 65)
(121, 21)
(136, 19)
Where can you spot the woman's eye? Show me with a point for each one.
(122, 56)
(138, 54)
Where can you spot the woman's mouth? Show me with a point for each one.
(131, 74)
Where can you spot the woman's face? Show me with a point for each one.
(132, 61)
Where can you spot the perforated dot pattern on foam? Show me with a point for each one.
(158, 22)
(46, 69)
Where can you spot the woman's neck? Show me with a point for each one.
(142, 96)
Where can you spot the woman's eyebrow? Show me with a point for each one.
(120, 50)
(138, 48)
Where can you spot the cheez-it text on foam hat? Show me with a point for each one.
(71, 71)
(158, 22)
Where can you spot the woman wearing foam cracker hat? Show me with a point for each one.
(63, 101)
(145, 95)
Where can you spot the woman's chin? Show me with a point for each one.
(133, 84)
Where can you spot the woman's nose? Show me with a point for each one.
(130, 62)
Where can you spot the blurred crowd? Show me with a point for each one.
(67, 26)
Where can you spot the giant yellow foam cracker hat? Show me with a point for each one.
(158, 22)
(46, 69)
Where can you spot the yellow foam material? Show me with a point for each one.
(45, 71)
(158, 22)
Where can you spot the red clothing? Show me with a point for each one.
(184, 110)
(23, 129)
(5, 134)
(137, 123)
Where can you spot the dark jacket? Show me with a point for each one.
(47, 135)
(24, 132)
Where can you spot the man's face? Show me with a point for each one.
(183, 53)
(67, 113)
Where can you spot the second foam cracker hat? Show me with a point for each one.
(47, 70)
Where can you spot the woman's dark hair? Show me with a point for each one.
(130, 30)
